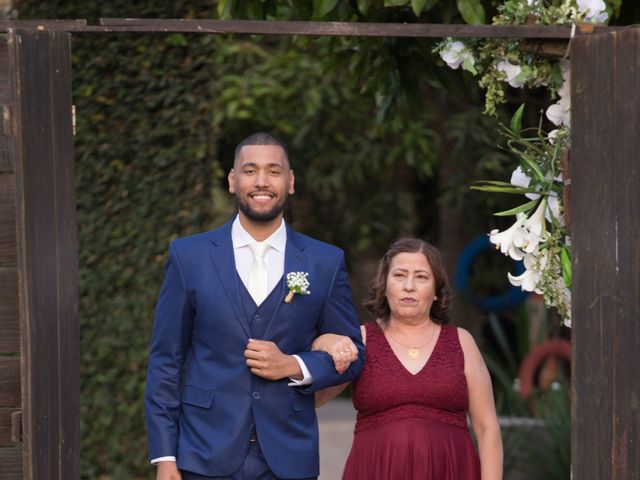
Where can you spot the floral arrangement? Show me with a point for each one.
(297, 282)
(539, 237)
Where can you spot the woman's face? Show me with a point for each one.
(411, 286)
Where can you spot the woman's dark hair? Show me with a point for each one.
(376, 302)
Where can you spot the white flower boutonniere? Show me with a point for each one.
(297, 283)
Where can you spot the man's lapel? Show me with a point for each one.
(295, 260)
(225, 266)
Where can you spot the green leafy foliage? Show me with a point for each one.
(322, 7)
(472, 11)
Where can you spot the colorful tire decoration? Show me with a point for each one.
(556, 347)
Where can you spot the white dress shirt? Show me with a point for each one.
(274, 262)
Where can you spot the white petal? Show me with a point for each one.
(516, 281)
(519, 178)
(530, 282)
(511, 71)
(535, 224)
(553, 209)
(455, 54)
(555, 114)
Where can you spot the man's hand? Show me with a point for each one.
(342, 349)
(265, 360)
(168, 471)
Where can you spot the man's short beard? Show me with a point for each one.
(254, 216)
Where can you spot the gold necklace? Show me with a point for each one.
(413, 352)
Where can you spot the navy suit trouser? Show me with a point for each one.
(254, 467)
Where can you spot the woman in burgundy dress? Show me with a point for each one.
(420, 379)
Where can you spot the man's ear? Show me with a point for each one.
(231, 178)
(292, 181)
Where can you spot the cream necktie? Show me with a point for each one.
(258, 272)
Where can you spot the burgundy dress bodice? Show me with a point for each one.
(387, 391)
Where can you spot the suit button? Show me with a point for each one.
(255, 395)
(257, 318)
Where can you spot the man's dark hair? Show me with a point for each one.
(261, 138)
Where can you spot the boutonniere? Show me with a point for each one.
(297, 283)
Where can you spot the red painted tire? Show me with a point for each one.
(549, 348)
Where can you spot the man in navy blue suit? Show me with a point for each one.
(231, 376)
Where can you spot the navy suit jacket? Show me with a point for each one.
(201, 398)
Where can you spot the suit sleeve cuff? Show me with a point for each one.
(162, 459)
(307, 379)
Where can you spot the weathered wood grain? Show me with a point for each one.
(10, 382)
(278, 27)
(9, 315)
(47, 251)
(7, 219)
(605, 201)
(8, 428)
(11, 461)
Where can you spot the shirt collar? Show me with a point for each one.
(241, 238)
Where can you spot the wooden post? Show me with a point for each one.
(10, 396)
(41, 122)
(605, 191)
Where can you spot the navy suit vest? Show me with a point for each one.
(259, 316)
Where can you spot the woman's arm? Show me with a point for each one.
(331, 345)
(482, 409)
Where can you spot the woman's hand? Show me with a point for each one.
(342, 350)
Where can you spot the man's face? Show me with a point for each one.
(261, 181)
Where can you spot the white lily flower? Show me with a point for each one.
(521, 179)
(552, 135)
(560, 112)
(535, 223)
(504, 240)
(528, 280)
(554, 209)
(564, 92)
(455, 54)
(532, 232)
(526, 241)
(594, 10)
(512, 72)
(558, 115)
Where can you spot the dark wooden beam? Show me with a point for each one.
(7, 219)
(6, 151)
(9, 313)
(279, 27)
(9, 381)
(11, 461)
(358, 29)
(605, 201)
(41, 25)
(47, 252)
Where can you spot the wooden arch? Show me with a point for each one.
(39, 341)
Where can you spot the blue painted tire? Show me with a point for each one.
(509, 299)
